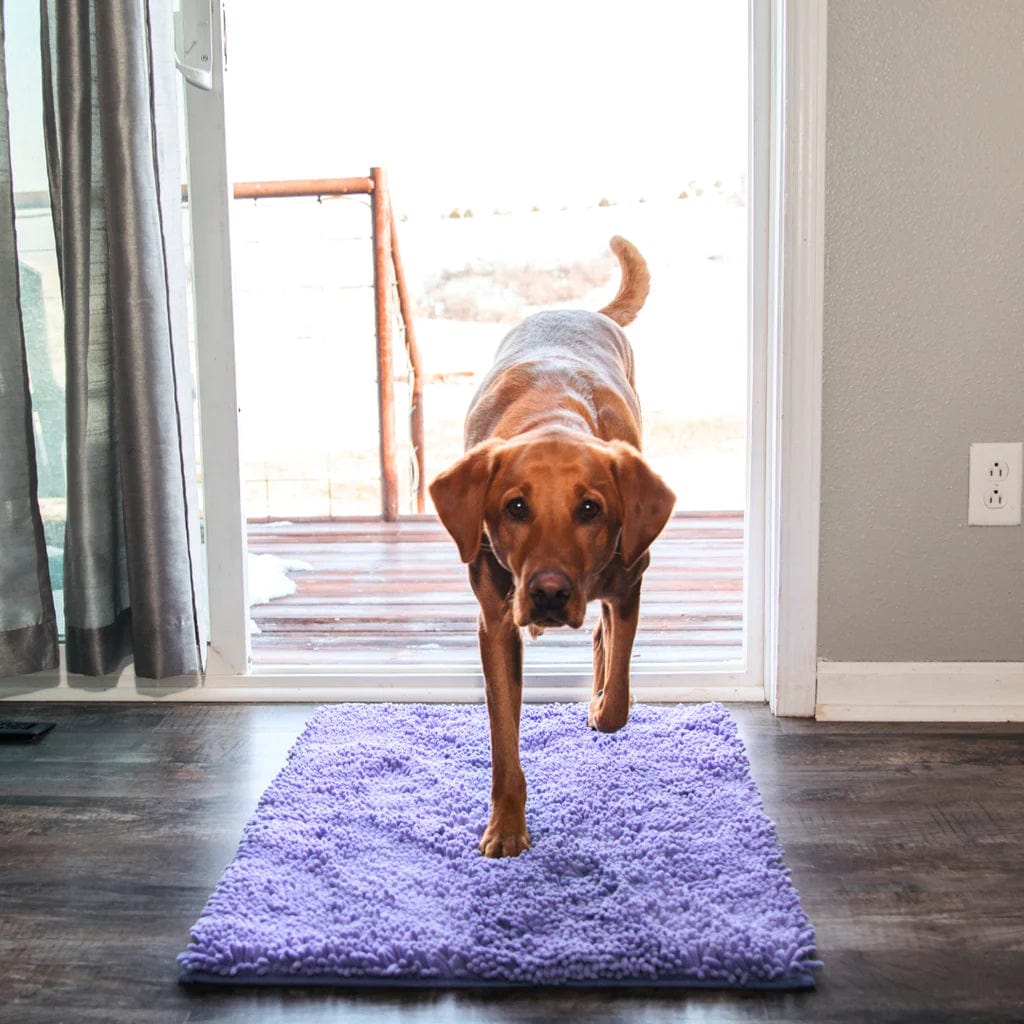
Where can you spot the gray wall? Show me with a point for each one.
(924, 327)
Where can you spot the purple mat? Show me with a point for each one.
(653, 862)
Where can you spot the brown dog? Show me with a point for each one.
(552, 506)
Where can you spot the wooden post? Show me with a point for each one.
(385, 353)
(415, 367)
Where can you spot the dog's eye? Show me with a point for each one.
(589, 510)
(517, 509)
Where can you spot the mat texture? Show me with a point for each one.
(653, 862)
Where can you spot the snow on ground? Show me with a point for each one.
(268, 579)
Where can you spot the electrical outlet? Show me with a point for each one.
(995, 476)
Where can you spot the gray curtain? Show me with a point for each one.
(28, 626)
(132, 551)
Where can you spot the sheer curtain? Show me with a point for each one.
(28, 625)
(132, 586)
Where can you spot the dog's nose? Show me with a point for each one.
(550, 590)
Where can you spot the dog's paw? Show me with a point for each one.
(504, 839)
(604, 718)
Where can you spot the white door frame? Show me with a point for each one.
(795, 298)
(781, 558)
(210, 207)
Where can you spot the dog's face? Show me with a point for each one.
(553, 515)
(555, 511)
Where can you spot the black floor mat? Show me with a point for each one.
(23, 732)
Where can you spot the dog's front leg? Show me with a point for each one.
(613, 649)
(501, 654)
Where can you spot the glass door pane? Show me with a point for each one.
(513, 155)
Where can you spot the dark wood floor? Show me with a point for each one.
(397, 594)
(906, 843)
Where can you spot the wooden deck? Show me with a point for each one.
(384, 594)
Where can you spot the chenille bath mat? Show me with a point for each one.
(653, 862)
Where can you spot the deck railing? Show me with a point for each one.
(389, 283)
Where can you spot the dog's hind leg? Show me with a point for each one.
(602, 632)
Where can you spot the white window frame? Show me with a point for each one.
(787, 77)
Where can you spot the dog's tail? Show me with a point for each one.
(636, 283)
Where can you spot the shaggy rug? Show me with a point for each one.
(653, 862)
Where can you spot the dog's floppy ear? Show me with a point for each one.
(647, 502)
(459, 493)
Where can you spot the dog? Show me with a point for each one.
(552, 506)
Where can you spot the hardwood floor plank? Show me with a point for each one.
(903, 840)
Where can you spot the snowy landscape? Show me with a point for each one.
(306, 343)
(517, 141)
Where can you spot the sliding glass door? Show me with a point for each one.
(285, 340)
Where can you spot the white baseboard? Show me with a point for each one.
(969, 691)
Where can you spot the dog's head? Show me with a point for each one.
(555, 511)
